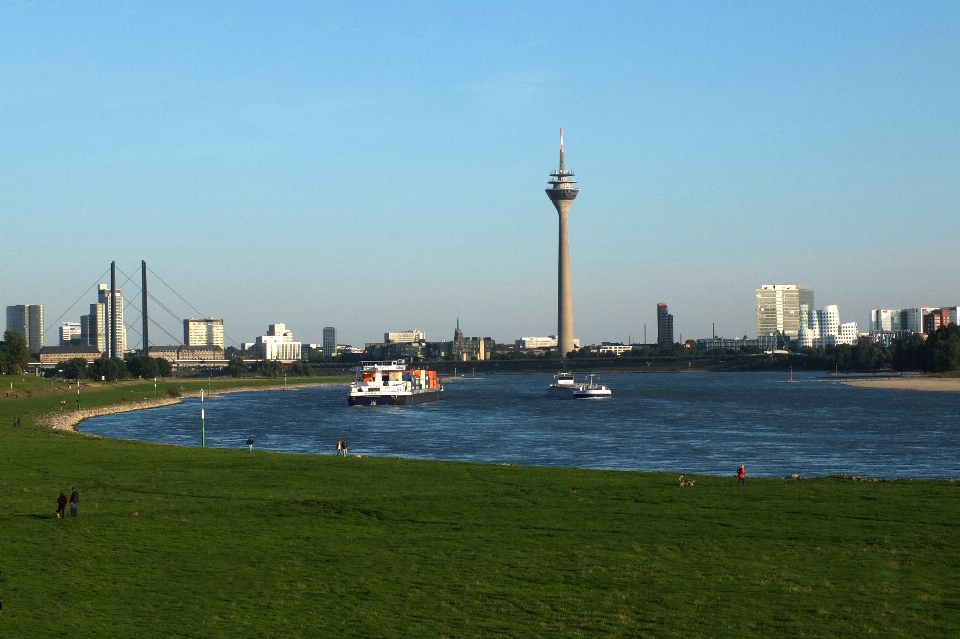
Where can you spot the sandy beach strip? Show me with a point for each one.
(922, 384)
(68, 420)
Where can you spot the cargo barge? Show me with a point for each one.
(393, 384)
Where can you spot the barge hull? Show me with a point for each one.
(396, 400)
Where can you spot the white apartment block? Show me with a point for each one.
(550, 341)
(616, 349)
(277, 344)
(404, 337)
(537, 342)
(69, 331)
(203, 332)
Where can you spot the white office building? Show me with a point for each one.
(277, 344)
(203, 332)
(69, 331)
(404, 337)
(782, 308)
(550, 341)
(115, 324)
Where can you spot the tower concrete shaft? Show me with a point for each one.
(562, 193)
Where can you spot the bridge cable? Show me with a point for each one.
(51, 325)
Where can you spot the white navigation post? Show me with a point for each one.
(203, 426)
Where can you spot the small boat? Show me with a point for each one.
(393, 384)
(591, 390)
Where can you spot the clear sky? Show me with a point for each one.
(381, 166)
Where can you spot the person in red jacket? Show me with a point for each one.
(742, 475)
(61, 505)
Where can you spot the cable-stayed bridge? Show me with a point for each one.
(139, 312)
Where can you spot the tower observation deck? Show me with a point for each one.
(562, 193)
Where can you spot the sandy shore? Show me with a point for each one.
(68, 420)
(924, 384)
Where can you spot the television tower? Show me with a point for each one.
(562, 194)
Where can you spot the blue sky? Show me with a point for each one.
(381, 166)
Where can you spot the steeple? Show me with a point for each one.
(458, 334)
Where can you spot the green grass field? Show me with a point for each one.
(177, 542)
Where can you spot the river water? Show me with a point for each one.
(680, 422)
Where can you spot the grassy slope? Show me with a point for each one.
(232, 544)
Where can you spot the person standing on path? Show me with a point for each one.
(250, 444)
(74, 501)
(741, 475)
(61, 505)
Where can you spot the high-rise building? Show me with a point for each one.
(562, 193)
(93, 327)
(780, 308)
(114, 323)
(329, 341)
(664, 325)
(27, 320)
(70, 334)
(203, 332)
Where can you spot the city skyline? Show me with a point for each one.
(239, 151)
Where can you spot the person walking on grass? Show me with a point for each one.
(741, 475)
(339, 447)
(61, 505)
(74, 501)
(250, 444)
(345, 447)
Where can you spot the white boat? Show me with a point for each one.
(566, 387)
(393, 383)
(591, 390)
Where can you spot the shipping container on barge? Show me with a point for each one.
(393, 384)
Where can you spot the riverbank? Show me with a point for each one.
(921, 384)
(70, 419)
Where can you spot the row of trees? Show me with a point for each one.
(270, 368)
(115, 368)
(938, 353)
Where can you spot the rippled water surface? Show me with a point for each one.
(685, 423)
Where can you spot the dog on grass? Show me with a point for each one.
(686, 482)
